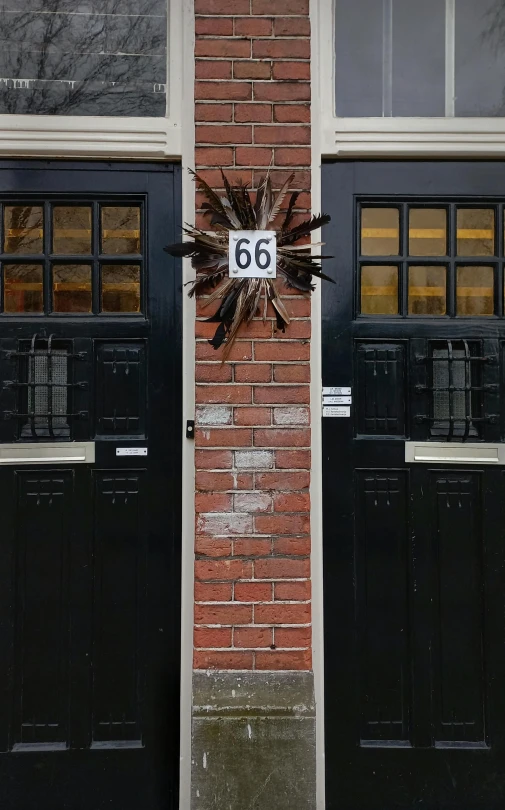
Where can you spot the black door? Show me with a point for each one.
(414, 486)
(89, 486)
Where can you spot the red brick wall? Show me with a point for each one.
(252, 586)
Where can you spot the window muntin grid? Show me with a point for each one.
(67, 257)
(459, 275)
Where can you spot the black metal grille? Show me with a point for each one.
(455, 390)
(44, 385)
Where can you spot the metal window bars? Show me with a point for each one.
(43, 384)
(456, 394)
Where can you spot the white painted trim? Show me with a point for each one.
(389, 136)
(316, 476)
(450, 57)
(88, 137)
(414, 137)
(103, 137)
(188, 404)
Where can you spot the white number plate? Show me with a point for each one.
(253, 254)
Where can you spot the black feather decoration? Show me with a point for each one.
(241, 299)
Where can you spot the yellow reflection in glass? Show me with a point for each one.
(427, 232)
(379, 290)
(72, 229)
(24, 226)
(380, 231)
(120, 230)
(427, 290)
(72, 288)
(474, 291)
(120, 288)
(23, 288)
(475, 231)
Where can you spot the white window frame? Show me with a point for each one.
(393, 137)
(103, 136)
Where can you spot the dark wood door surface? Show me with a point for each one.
(90, 340)
(414, 552)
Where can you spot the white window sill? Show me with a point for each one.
(413, 137)
(83, 136)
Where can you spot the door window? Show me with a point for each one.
(441, 259)
(78, 259)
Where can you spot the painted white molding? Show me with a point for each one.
(100, 136)
(414, 137)
(316, 473)
(89, 137)
(391, 137)
(188, 410)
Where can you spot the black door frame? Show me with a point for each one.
(164, 310)
(341, 181)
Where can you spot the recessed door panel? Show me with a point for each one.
(382, 606)
(43, 546)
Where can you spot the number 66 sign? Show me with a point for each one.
(253, 254)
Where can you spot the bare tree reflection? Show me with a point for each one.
(64, 57)
(23, 229)
(493, 32)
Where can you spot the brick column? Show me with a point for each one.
(252, 572)
(253, 425)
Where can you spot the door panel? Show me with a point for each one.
(414, 549)
(89, 553)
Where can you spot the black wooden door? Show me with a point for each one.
(90, 429)
(414, 486)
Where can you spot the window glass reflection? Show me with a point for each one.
(475, 291)
(390, 58)
(379, 290)
(23, 290)
(120, 288)
(72, 288)
(107, 59)
(427, 290)
(475, 231)
(23, 229)
(427, 231)
(380, 231)
(120, 230)
(480, 58)
(71, 229)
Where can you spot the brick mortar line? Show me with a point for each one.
(249, 581)
(253, 38)
(268, 648)
(231, 16)
(201, 668)
(272, 602)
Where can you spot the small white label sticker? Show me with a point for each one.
(337, 400)
(342, 412)
(335, 391)
(131, 451)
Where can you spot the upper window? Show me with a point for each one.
(420, 58)
(83, 57)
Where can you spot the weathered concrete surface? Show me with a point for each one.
(253, 741)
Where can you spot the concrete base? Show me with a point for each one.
(253, 741)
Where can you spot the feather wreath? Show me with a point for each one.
(241, 298)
